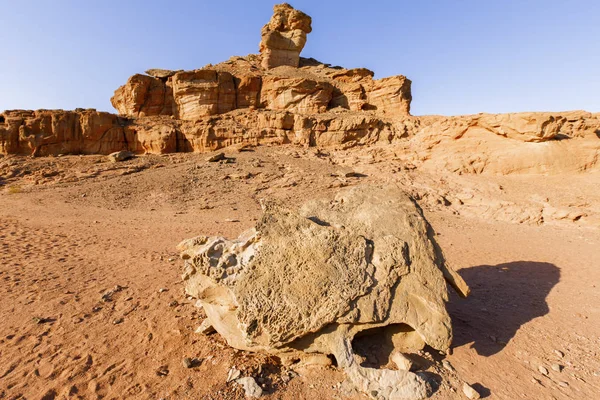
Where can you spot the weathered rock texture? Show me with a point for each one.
(284, 37)
(309, 281)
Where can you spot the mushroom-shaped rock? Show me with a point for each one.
(309, 281)
(284, 37)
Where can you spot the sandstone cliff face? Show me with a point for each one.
(303, 96)
(278, 97)
(277, 79)
(284, 37)
(391, 95)
(46, 132)
(202, 93)
(144, 95)
(191, 95)
(522, 143)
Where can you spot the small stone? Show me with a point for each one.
(187, 362)
(354, 175)
(402, 362)
(162, 290)
(233, 374)
(174, 303)
(559, 353)
(543, 370)
(120, 156)
(446, 364)
(563, 384)
(250, 386)
(470, 392)
(205, 328)
(216, 157)
(557, 367)
(162, 371)
(118, 321)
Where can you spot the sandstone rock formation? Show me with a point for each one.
(284, 37)
(265, 99)
(301, 86)
(309, 281)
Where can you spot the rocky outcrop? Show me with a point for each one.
(54, 132)
(391, 95)
(144, 95)
(284, 37)
(51, 132)
(191, 95)
(203, 93)
(507, 143)
(329, 272)
(299, 95)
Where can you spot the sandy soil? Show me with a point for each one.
(93, 307)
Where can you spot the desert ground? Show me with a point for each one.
(93, 304)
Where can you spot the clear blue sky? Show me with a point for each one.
(463, 56)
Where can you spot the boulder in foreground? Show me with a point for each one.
(310, 281)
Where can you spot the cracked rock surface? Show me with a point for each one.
(310, 280)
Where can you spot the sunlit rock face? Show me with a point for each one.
(284, 37)
(310, 280)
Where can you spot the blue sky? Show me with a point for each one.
(463, 56)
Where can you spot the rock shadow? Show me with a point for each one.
(503, 298)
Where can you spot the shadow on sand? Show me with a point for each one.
(503, 298)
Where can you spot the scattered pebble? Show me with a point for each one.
(41, 320)
(162, 371)
(543, 370)
(118, 321)
(402, 362)
(557, 367)
(162, 290)
(559, 353)
(446, 364)
(250, 386)
(470, 392)
(563, 384)
(205, 328)
(187, 362)
(233, 374)
(120, 156)
(216, 157)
